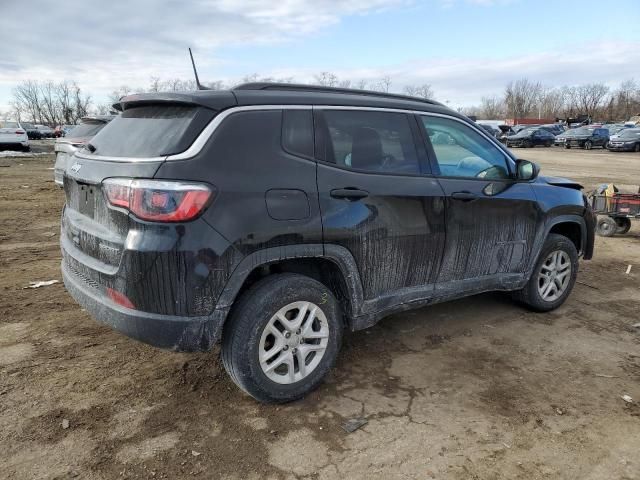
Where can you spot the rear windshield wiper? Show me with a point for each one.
(91, 148)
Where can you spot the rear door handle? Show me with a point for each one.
(349, 193)
(464, 196)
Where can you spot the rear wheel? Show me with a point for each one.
(588, 145)
(26, 149)
(637, 148)
(282, 338)
(623, 225)
(606, 227)
(567, 146)
(553, 277)
(547, 143)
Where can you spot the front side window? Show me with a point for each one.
(369, 141)
(462, 152)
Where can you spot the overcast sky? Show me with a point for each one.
(464, 48)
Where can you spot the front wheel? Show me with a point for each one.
(637, 148)
(553, 277)
(282, 338)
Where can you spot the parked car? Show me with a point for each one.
(12, 135)
(45, 131)
(32, 132)
(587, 138)
(554, 128)
(627, 140)
(489, 129)
(531, 137)
(76, 138)
(341, 210)
(616, 128)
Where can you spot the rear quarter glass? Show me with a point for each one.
(152, 131)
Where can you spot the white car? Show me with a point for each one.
(13, 135)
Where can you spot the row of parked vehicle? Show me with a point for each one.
(15, 134)
(614, 137)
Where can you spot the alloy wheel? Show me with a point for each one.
(293, 342)
(554, 276)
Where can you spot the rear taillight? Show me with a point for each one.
(158, 200)
(20, 132)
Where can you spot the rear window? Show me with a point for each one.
(8, 124)
(86, 129)
(151, 131)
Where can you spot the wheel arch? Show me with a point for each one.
(332, 265)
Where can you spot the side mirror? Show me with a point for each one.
(526, 170)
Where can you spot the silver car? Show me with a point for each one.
(76, 139)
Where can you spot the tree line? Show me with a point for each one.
(529, 99)
(52, 103)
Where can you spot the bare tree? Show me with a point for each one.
(26, 101)
(383, 85)
(627, 99)
(326, 79)
(155, 84)
(590, 96)
(360, 85)
(491, 108)
(521, 97)
(421, 91)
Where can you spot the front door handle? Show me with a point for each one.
(349, 193)
(464, 196)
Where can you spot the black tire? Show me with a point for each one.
(247, 321)
(623, 225)
(530, 295)
(588, 145)
(567, 146)
(606, 227)
(605, 145)
(547, 144)
(637, 148)
(26, 149)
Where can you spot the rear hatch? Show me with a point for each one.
(133, 145)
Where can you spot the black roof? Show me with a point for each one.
(283, 94)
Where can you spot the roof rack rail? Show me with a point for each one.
(298, 87)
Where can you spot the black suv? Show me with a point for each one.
(273, 217)
(587, 138)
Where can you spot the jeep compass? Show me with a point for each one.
(272, 218)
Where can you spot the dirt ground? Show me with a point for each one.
(474, 389)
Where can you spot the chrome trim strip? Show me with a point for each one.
(83, 153)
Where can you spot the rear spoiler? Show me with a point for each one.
(214, 100)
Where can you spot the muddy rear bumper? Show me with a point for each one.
(177, 333)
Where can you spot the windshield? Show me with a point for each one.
(27, 125)
(86, 129)
(583, 131)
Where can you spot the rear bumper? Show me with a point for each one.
(177, 333)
